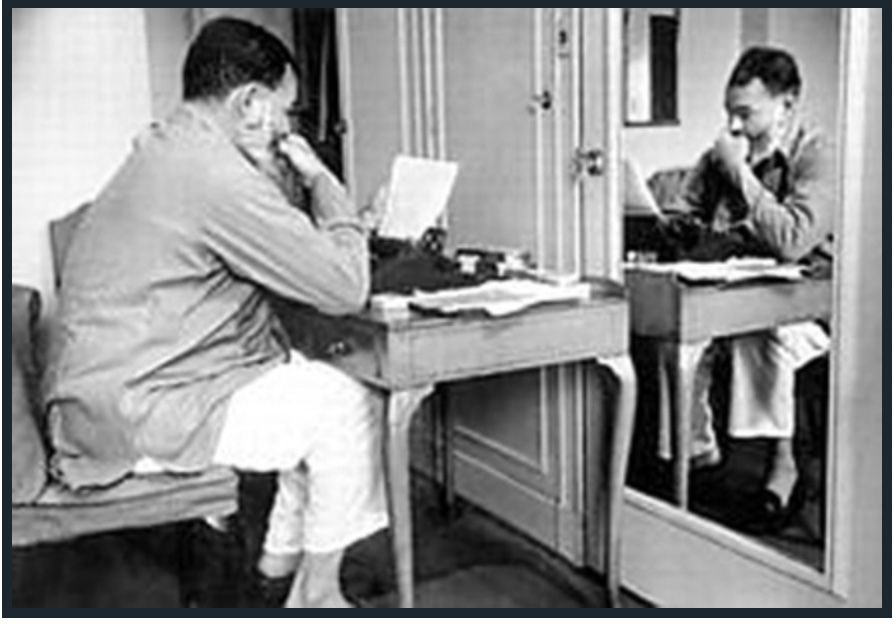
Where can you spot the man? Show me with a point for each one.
(167, 355)
(766, 188)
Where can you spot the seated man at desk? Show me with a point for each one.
(168, 357)
(765, 188)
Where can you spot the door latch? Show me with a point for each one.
(590, 162)
(541, 101)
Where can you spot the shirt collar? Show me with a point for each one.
(786, 145)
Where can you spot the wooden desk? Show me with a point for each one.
(684, 319)
(406, 354)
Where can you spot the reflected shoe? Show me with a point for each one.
(767, 513)
(264, 592)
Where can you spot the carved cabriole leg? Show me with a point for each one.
(400, 409)
(623, 420)
(678, 367)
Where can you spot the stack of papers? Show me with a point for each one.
(730, 271)
(499, 297)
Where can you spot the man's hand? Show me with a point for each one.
(731, 153)
(373, 212)
(301, 157)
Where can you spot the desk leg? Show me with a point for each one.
(400, 409)
(622, 427)
(678, 368)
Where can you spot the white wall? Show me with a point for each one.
(754, 27)
(168, 32)
(813, 37)
(80, 93)
(709, 45)
(85, 82)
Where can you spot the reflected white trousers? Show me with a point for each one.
(763, 380)
(320, 430)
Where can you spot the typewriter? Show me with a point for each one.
(402, 267)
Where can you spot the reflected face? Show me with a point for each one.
(753, 112)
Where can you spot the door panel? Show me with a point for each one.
(492, 69)
(497, 91)
(373, 83)
(509, 108)
(494, 64)
(481, 408)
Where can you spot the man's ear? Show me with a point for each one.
(248, 105)
(789, 100)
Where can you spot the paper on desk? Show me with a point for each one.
(419, 189)
(499, 297)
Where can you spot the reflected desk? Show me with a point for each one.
(406, 354)
(684, 319)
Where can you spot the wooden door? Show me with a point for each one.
(510, 106)
(499, 91)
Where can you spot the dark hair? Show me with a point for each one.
(228, 53)
(775, 68)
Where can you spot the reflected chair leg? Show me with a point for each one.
(446, 421)
(623, 420)
(679, 365)
(400, 408)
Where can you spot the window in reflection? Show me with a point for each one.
(651, 66)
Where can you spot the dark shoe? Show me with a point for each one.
(766, 513)
(264, 592)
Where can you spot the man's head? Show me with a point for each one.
(247, 75)
(761, 95)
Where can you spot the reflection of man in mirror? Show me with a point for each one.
(765, 188)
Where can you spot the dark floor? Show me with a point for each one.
(722, 493)
(469, 561)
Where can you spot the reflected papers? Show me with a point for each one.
(731, 271)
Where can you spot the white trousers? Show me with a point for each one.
(763, 380)
(319, 429)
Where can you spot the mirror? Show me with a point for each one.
(727, 481)
(651, 66)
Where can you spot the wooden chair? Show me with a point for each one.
(48, 511)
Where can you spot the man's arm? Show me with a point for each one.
(261, 237)
(694, 198)
(793, 227)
